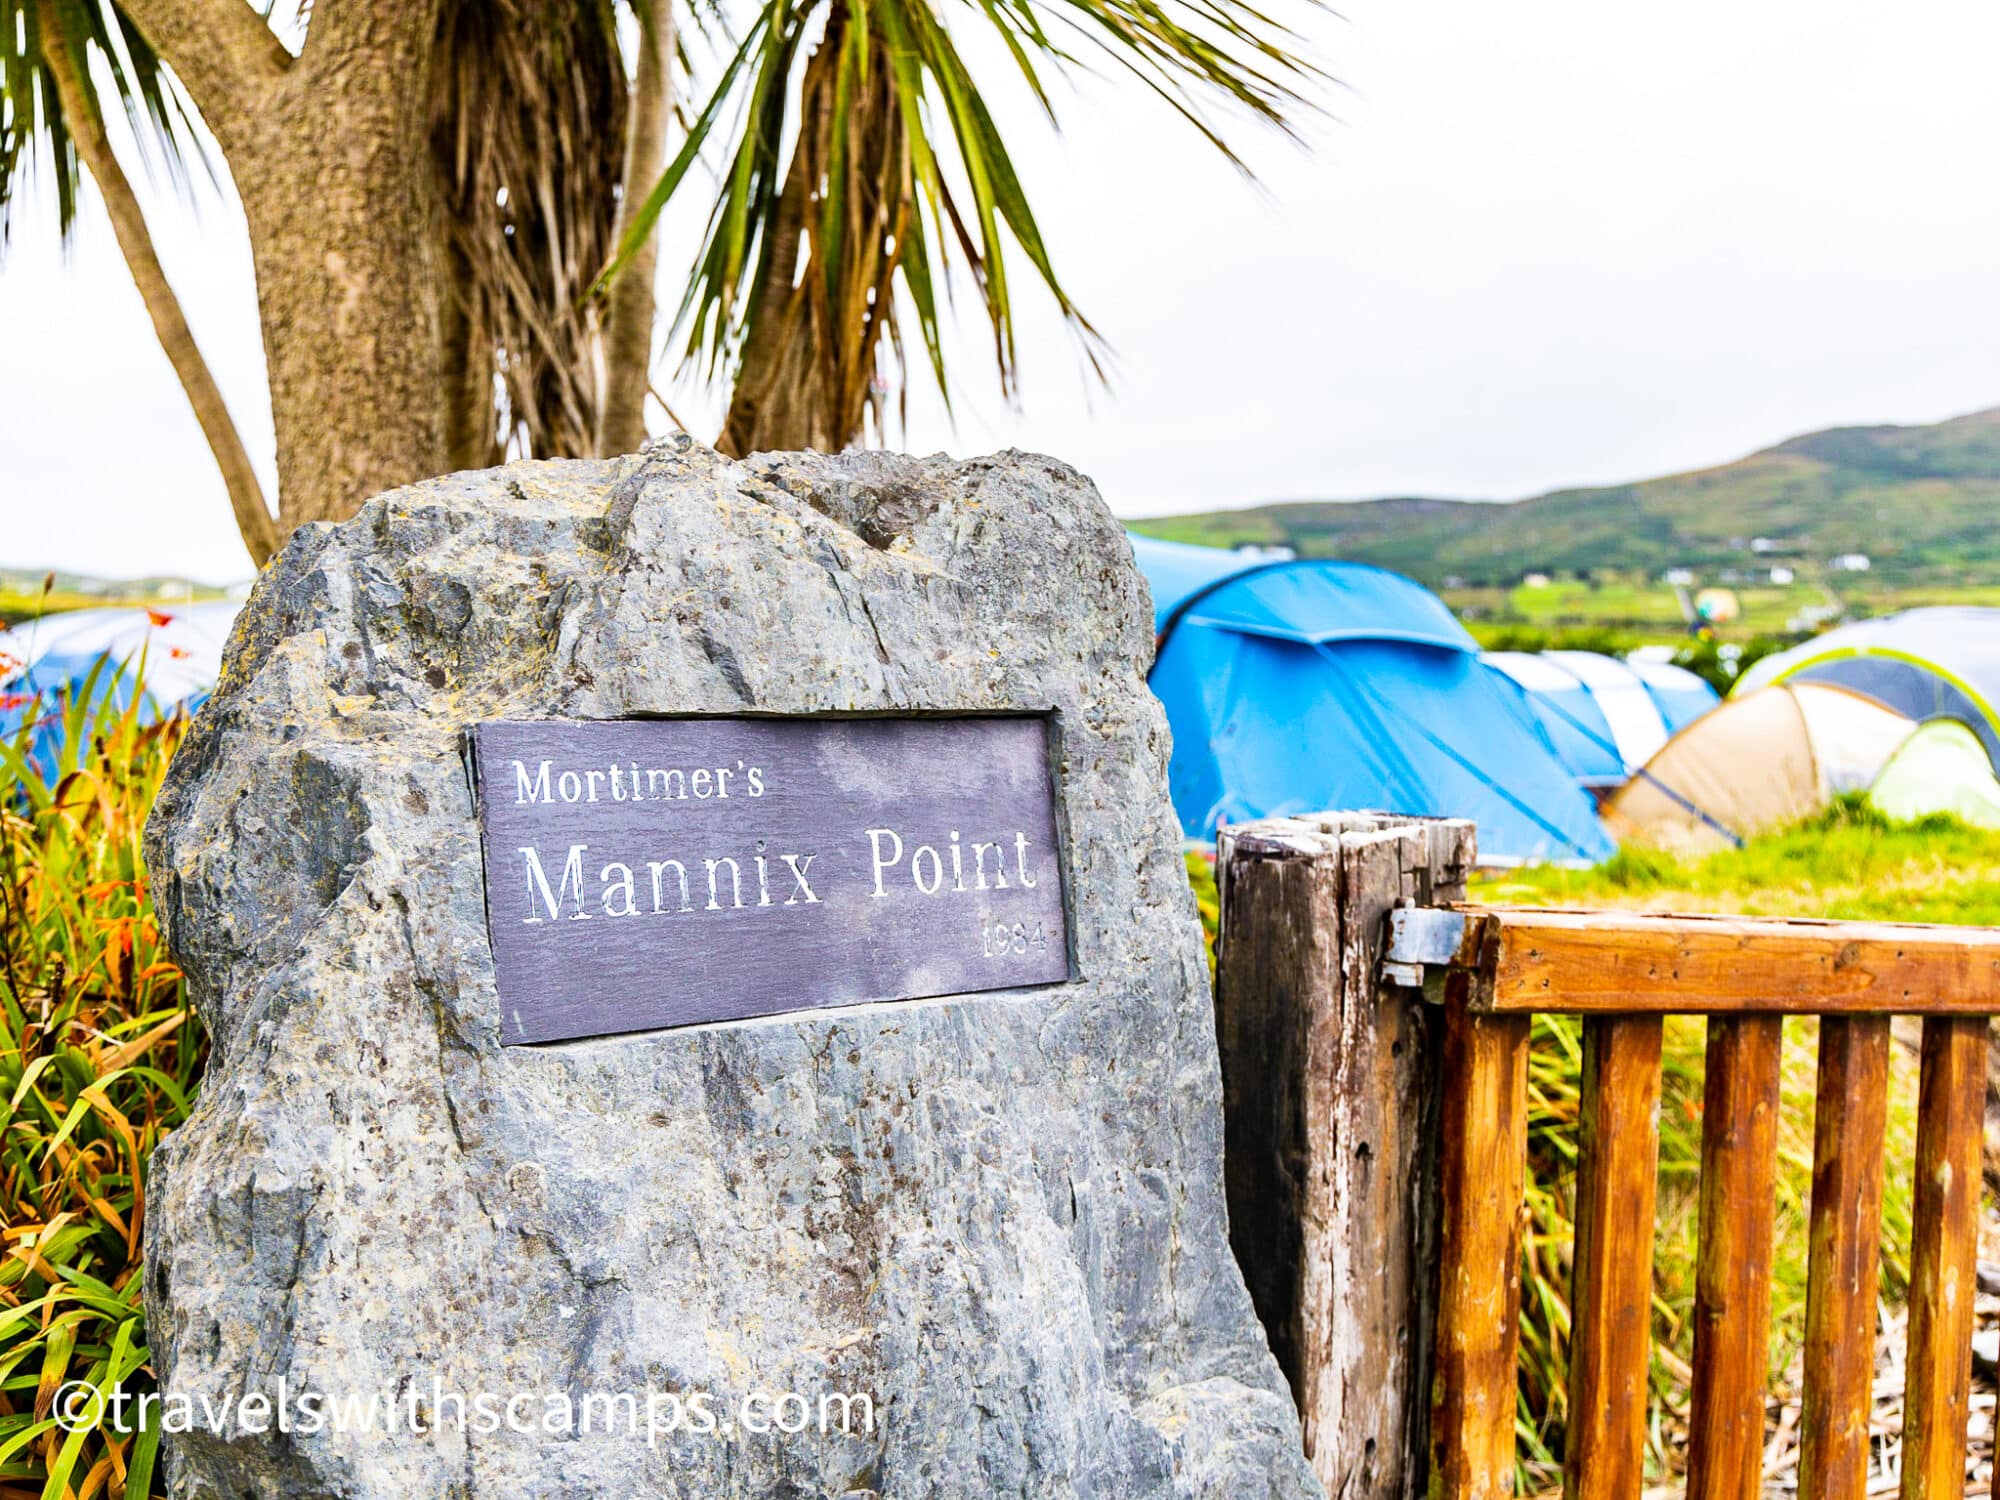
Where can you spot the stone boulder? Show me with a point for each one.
(999, 1216)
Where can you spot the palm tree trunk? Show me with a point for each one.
(135, 240)
(629, 336)
(340, 194)
(330, 156)
(470, 427)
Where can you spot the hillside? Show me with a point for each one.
(1919, 501)
(28, 592)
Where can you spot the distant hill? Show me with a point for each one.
(1922, 502)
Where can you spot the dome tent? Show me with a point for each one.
(45, 660)
(1941, 662)
(1942, 768)
(1299, 685)
(1604, 717)
(1758, 761)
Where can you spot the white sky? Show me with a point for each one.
(1543, 243)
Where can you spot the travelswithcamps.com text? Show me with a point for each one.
(416, 1408)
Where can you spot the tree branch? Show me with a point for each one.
(398, 34)
(128, 223)
(221, 50)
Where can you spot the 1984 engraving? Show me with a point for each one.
(648, 873)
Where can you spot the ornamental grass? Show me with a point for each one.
(99, 1055)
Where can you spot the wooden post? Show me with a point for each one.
(1732, 1297)
(1482, 1179)
(1848, 1123)
(1329, 1103)
(1943, 1257)
(1611, 1296)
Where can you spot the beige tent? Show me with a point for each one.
(1775, 755)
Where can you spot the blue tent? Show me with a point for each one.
(1302, 686)
(1604, 718)
(49, 662)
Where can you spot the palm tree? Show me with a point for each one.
(532, 127)
(435, 189)
(896, 175)
(431, 189)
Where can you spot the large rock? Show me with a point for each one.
(1000, 1215)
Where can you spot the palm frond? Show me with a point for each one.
(896, 182)
(33, 133)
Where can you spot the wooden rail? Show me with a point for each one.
(1641, 962)
(1622, 972)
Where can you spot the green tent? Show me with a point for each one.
(1942, 662)
(1942, 768)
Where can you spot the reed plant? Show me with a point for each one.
(99, 1055)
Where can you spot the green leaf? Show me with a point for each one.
(781, 289)
(153, 104)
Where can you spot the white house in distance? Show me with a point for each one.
(1850, 562)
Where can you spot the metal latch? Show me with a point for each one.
(1421, 938)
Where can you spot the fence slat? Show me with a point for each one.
(1849, 1121)
(1611, 1295)
(1482, 1179)
(1739, 1150)
(1943, 1257)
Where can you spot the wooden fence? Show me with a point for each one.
(1374, 1035)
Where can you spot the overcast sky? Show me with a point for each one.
(1535, 244)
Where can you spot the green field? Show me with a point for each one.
(1850, 864)
(1640, 611)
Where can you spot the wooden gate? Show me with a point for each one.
(1482, 974)
(1624, 972)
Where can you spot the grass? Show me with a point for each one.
(1850, 863)
(98, 1060)
(1201, 875)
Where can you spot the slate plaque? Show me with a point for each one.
(643, 873)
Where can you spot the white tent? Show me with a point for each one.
(180, 646)
(1604, 717)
